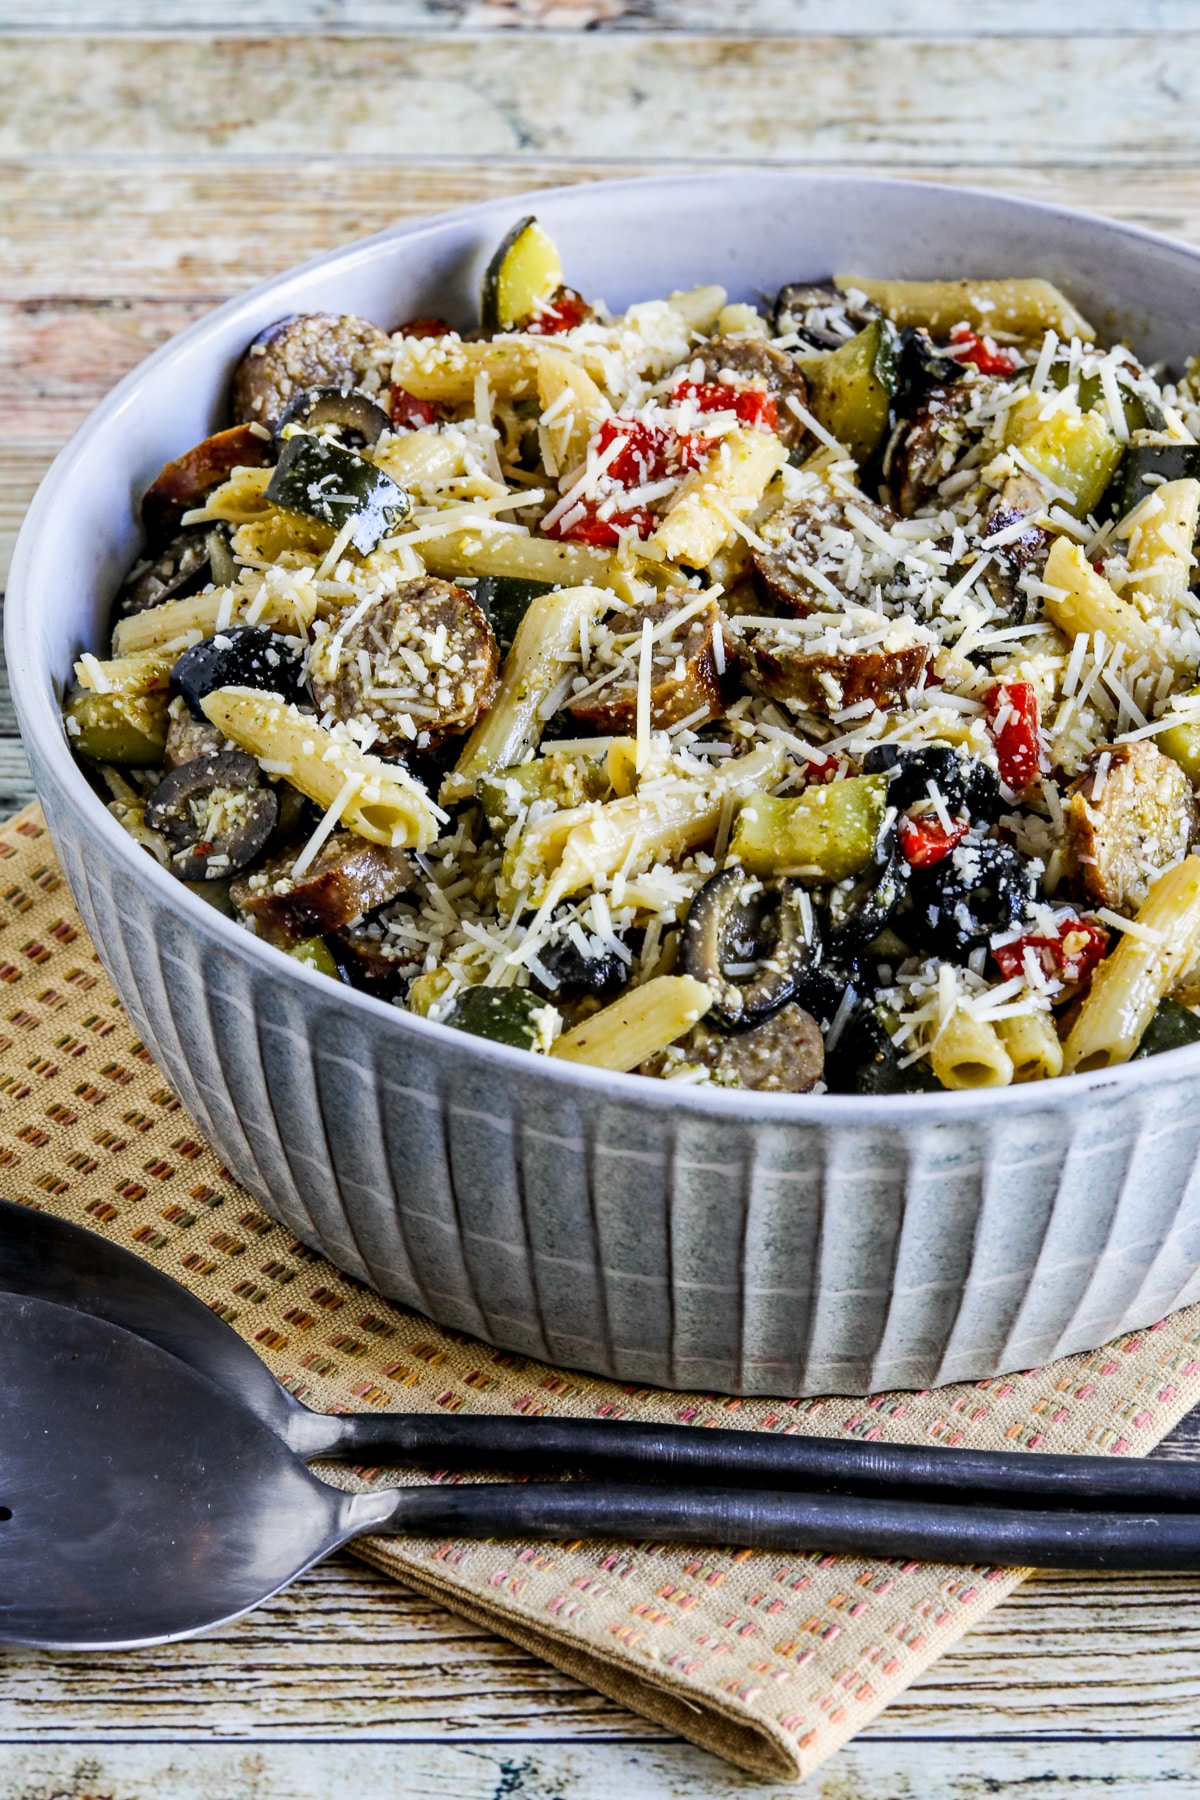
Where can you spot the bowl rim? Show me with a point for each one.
(40, 722)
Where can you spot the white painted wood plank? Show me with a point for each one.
(620, 97)
(862, 1771)
(894, 18)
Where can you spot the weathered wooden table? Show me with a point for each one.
(146, 175)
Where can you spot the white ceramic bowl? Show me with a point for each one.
(743, 1243)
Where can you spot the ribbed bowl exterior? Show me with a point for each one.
(736, 1243)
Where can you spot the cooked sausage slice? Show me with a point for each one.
(830, 680)
(748, 362)
(925, 447)
(423, 660)
(1018, 499)
(183, 483)
(347, 878)
(687, 677)
(188, 738)
(303, 350)
(784, 1055)
(1127, 816)
(796, 536)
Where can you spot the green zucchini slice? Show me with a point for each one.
(1170, 462)
(851, 389)
(865, 1060)
(128, 729)
(332, 485)
(1171, 1028)
(505, 1015)
(524, 271)
(504, 600)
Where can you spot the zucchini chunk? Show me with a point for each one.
(524, 271)
(505, 1015)
(315, 953)
(1171, 1028)
(504, 600)
(823, 834)
(865, 1060)
(850, 390)
(331, 485)
(128, 729)
(1168, 462)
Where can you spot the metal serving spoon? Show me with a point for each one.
(47, 1258)
(139, 1502)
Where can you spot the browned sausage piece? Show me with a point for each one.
(304, 350)
(372, 959)
(182, 484)
(686, 676)
(783, 1055)
(748, 362)
(421, 660)
(829, 681)
(188, 738)
(796, 538)
(1127, 816)
(926, 447)
(347, 878)
(1018, 499)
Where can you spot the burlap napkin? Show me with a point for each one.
(771, 1661)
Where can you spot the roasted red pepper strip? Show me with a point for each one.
(406, 410)
(1012, 717)
(1072, 955)
(649, 452)
(967, 346)
(603, 534)
(925, 840)
(752, 405)
(563, 312)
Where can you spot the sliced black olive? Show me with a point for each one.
(244, 656)
(1171, 1027)
(859, 914)
(336, 487)
(822, 988)
(575, 974)
(865, 1061)
(959, 903)
(734, 919)
(506, 1015)
(965, 783)
(182, 568)
(214, 814)
(919, 368)
(800, 297)
(361, 422)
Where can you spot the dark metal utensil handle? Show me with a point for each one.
(686, 1453)
(1009, 1537)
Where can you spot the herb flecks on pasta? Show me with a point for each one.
(796, 698)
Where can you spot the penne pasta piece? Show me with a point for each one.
(638, 1025)
(1144, 967)
(506, 553)
(575, 405)
(572, 851)
(384, 804)
(1161, 544)
(546, 638)
(700, 306)
(1026, 307)
(445, 369)
(968, 1053)
(1085, 603)
(729, 486)
(147, 673)
(175, 623)
(1033, 1044)
(419, 459)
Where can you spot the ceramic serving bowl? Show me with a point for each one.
(745, 1243)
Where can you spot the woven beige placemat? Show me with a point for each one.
(771, 1661)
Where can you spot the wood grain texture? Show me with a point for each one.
(619, 97)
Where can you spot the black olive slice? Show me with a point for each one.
(857, 916)
(959, 903)
(575, 974)
(180, 569)
(965, 783)
(214, 814)
(360, 421)
(735, 919)
(244, 656)
(800, 297)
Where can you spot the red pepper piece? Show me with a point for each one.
(1072, 955)
(925, 840)
(752, 405)
(650, 453)
(407, 411)
(564, 312)
(604, 534)
(820, 769)
(1012, 717)
(967, 346)
(424, 328)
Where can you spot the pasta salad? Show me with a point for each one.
(799, 696)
